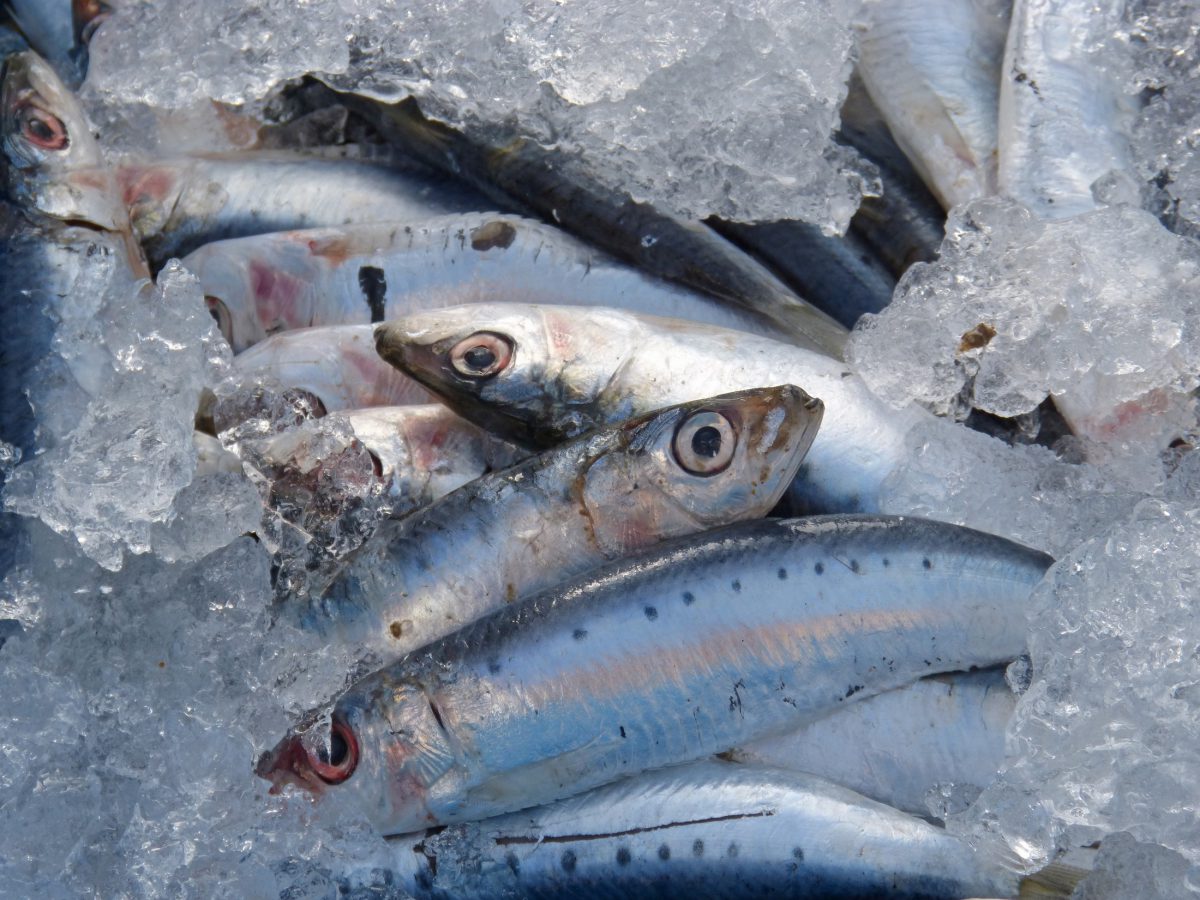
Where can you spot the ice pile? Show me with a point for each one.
(116, 400)
(1104, 307)
(1107, 738)
(1165, 38)
(723, 109)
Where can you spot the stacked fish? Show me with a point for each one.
(515, 474)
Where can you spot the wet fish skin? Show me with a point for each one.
(54, 164)
(616, 491)
(575, 369)
(337, 365)
(178, 205)
(708, 829)
(897, 746)
(1063, 121)
(370, 273)
(698, 646)
(933, 70)
(525, 176)
(59, 31)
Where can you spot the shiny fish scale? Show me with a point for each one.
(709, 829)
(682, 653)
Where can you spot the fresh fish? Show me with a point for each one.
(575, 369)
(178, 205)
(613, 492)
(704, 830)
(905, 223)
(1064, 119)
(838, 275)
(328, 483)
(902, 747)
(369, 273)
(704, 644)
(933, 69)
(525, 176)
(337, 365)
(54, 165)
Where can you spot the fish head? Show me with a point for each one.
(225, 280)
(699, 465)
(534, 375)
(52, 160)
(384, 751)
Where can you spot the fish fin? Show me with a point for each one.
(1058, 879)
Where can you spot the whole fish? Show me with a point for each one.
(368, 273)
(178, 205)
(526, 176)
(1064, 118)
(703, 830)
(337, 365)
(933, 69)
(568, 370)
(903, 746)
(615, 491)
(699, 646)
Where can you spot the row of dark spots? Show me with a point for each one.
(569, 860)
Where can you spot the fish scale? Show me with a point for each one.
(702, 638)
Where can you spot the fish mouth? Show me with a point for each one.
(294, 761)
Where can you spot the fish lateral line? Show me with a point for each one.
(571, 838)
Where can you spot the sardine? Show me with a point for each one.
(574, 369)
(337, 365)
(1064, 118)
(708, 829)
(933, 70)
(178, 205)
(525, 176)
(613, 492)
(59, 30)
(903, 746)
(368, 273)
(699, 646)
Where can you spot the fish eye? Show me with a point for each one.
(220, 313)
(42, 129)
(481, 355)
(335, 763)
(704, 443)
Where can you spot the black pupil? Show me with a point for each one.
(212, 311)
(40, 129)
(706, 442)
(479, 357)
(337, 749)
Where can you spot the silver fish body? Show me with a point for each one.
(613, 492)
(178, 205)
(574, 369)
(337, 365)
(709, 829)
(369, 273)
(1064, 120)
(933, 70)
(905, 746)
(689, 650)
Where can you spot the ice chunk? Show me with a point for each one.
(119, 393)
(1107, 738)
(724, 109)
(1126, 868)
(1104, 307)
